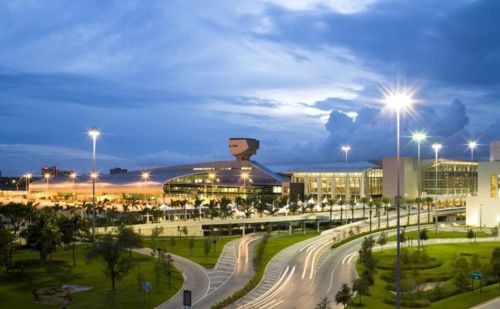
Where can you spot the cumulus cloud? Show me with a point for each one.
(372, 134)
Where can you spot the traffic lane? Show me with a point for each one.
(195, 279)
(240, 277)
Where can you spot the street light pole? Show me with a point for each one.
(398, 101)
(346, 149)
(419, 137)
(93, 133)
(472, 146)
(436, 147)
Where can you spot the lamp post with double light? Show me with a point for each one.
(94, 134)
(436, 147)
(419, 138)
(398, 101)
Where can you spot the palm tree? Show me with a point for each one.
(364, 201)
(386, 201)
(341, 203)
(294, 207)
(428, 201)
(370, 206)
(331, 202)
(352, 203)
(408, 204)
(378, 205)
(197, 206)
(212, 207)
(225, 210)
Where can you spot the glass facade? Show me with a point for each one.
(320, 185)
(454, 178)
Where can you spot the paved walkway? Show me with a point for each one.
(491, 304)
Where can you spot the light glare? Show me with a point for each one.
(419, 137)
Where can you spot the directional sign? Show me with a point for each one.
(187, 298)
(146, 286)
(475, 275)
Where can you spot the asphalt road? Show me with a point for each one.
(208, 286)
(312, 271)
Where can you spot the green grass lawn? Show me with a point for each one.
(179, 246)
(442, 234)
(443, 257)
(16, 289)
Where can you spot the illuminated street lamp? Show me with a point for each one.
(73, 177)
(94, 134)
(211, 176)
(436, 147)
(345, 149)
(245, 176)
(398, 101)
(419, 138)
(472, 145)
(27, 177)
(47, 177)
(145, 176)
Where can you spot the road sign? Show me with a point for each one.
(146, 286)
(187, 298)
(475, 275)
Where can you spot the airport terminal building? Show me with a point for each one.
(451, 181)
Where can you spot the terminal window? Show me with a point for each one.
(493, 185)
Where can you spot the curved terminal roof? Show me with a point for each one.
(228, 173)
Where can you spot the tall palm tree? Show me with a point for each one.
(386, 201)
(352, 203)
(364, 201)
(225, 210)
(408, 204)
(331, 202)
(378, 206)
(370, 207)
(341, 203)
(428, 201)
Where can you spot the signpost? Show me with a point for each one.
(186, 299)
(147, 287)
(475, 275)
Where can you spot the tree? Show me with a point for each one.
(370, 206)
(225, 210)
(15, 215)
(382, 240)
(207, 245)
(495, 263)
(378, 206)
(190, 244)
(344, 296)
(470, 235)
(402, 236)
(341, 203)
(43, 235)
(423, 235)
(461, 274)
(323, 304)
(367, 259)
(494, 232)
(185, 230)
(364, 202)
(361, 286)
(386, 201)
(6, 243)
(155, 234)
(293, 207)
(128, 239)
(72, 229)
(428, 202)
(112, 253)
(352, 203)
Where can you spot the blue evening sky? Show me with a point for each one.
(168, 82)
